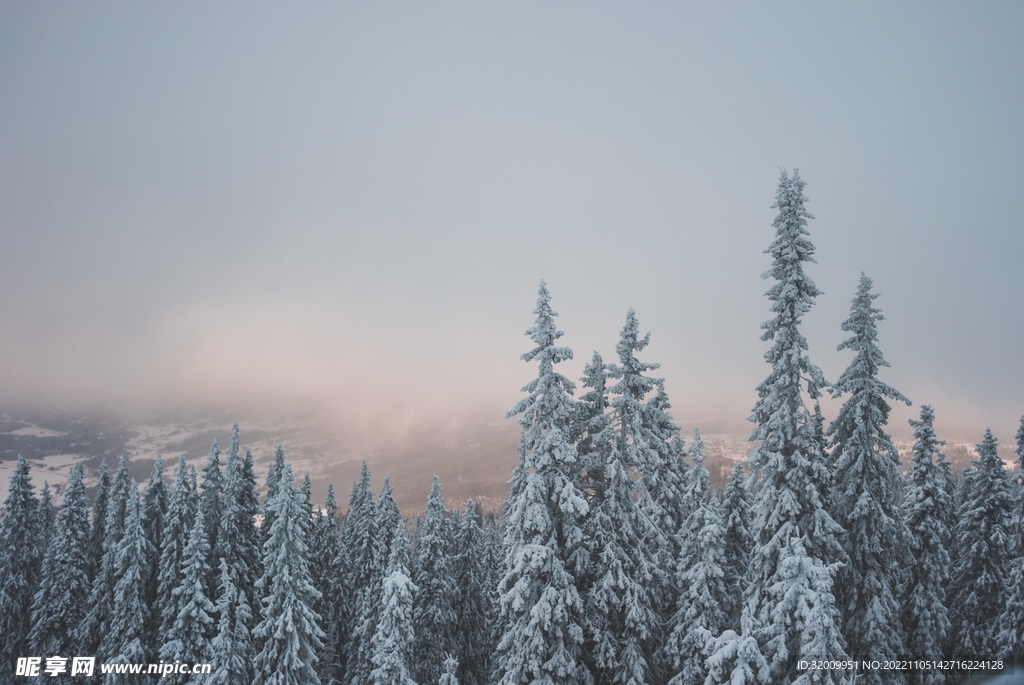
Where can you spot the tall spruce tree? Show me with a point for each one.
(925, 506)
(47, 516)
(1011, 632)
(865, 497)
(59, 604)
(474, 628)
(96, 625)
(324, 551)
(238, 540)
(700, 614)
(437, 598)
(124, 643)
(1010, 640)
(388, 516)
(665, 480)
(154, 511)
(541, 610)
(360, 568)
(621, 603)
(288, 633)
(1018, 489)
(368, 608)
(189, 637)
(231, 650)
(20, 560)
(181, 513)
(589, 419)
(797, 543)
(273, 479)
(211, 503)
(980, 575)
(394, 634)
(736, 541)
(98, 521)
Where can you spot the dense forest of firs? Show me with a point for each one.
(613, 561)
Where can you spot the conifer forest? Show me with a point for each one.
(613, 561)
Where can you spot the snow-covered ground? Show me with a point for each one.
(477, 466)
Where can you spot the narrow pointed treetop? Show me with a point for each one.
(436, 601)
(1018, 480)
(59, 604)
(124, 643)
(541, 608)
(926, 503)
(289, 630)
(181, 512)
(982, 568)
(231, 649)
(789, 518)
(394, 633)
(189, 635)
(20, 559)
(867, 411)
(865, 501)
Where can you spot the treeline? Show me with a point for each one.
(614, 561)
(286, 592)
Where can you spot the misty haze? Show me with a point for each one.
(490, 345)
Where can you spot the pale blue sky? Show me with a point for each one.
(349, 206)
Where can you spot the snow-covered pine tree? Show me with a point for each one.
(624, 537)
(737, 543)
(211, 503)
(249, 512)
(925, 505)
(98, 521)
(665, 479)
(154, 510)
(700, 614)
(47, 516)
(1018, 482)
(588, 421)
(307, 497)
(369, 608)
(181, 513)
(451, 667)
(288, 633)
(735, 658)
(96, 624)
(231, 650)
(1010, 640)
(124, 642)
(698, 482)
(59, 604)
(980, 575)
(1011, 633)
(541, 610)
(435, 602)
(324, 552)
(865, 495)
(474, 625)
(189, 637)
(20, 560)
(359, 563)
(394, 634)
(388, 516)
(238, 541)
(273, 478)
(788, 513)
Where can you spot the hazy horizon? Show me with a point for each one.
(343, 212)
